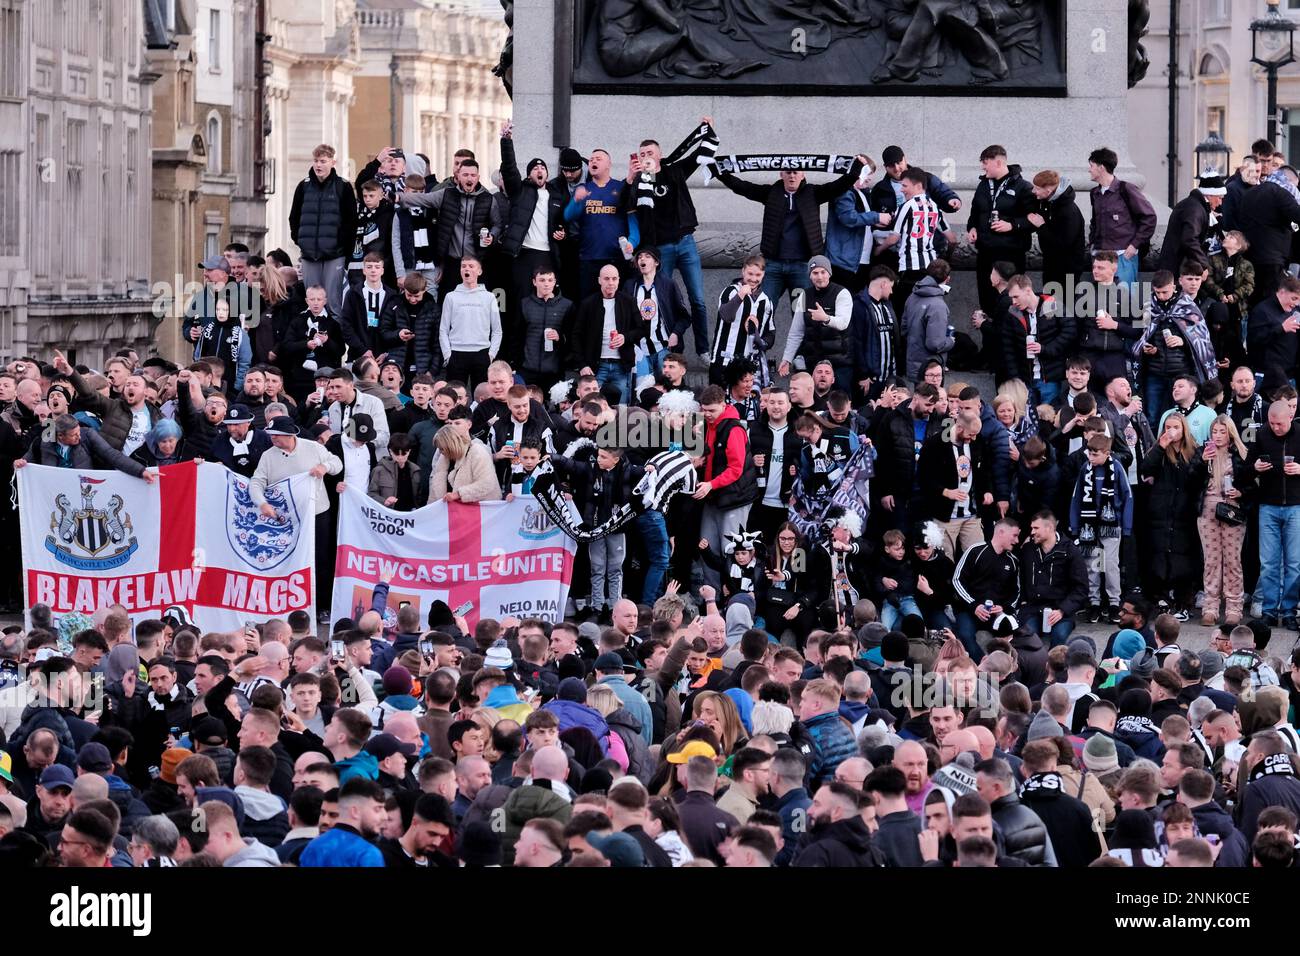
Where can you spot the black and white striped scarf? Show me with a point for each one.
(780, 163)
(672, 472)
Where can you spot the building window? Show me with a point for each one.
(74, 162)
(1216, 119)
(214, 144)
(109, 200)
(13, 62)
(132, 202)
(46, 163)
(10, 191)
(212, 240)
(214, 41)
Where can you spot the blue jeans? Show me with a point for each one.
(1279, 559)
(1157, 398)
(685, 255)
(612, 371)
(1031, 618)
(1047, 392)
(967, 625)
(654, 537)
(891, 616)
(1128, 269)
(785, 275)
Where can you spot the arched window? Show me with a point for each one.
(214, 143)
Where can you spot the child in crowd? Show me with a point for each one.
(894, 580)
(1101, 513)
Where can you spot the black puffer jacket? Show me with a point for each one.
(323, 217)
(1023, 830)
(524, 197)
(840, 844)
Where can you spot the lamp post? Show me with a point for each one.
(1272, 46)
(1213, 156)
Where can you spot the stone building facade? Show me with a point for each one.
(75, 179)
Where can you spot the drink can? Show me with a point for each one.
(1030, 340)
(1047, 613)
(483, 234)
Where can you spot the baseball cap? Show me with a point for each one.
(694, 748)
(6, 766)
(56, 775)
(215, 262)
(282, 425)
(209, 731)
(609, 662)
(95, 758)
(238, 415)
(383, 746)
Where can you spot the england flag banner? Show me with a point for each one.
(192, 538)
(495, 559)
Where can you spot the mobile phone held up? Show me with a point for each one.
(463, 609)
(336, 649)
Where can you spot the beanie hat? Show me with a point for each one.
(498, 655)
(172, 758)
(819, 262)
(1128, 643)
(534, 163)
(596, 780)
(480, 846)
(1044, 725)
(1211, 664)
(573, 689)
(1143, 663)
(397, 680)
(871, 635)
(893, 646)
(1099, 754)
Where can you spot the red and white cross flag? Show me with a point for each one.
(504, 559)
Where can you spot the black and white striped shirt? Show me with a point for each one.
(917, 222)
(732, 339)
(647, 302)
(882, 315)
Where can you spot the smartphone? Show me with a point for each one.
(336, 649)
(633, 158)
(426, 648)
(463, 609)
(402, 604)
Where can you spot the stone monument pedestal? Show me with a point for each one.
(943, 134)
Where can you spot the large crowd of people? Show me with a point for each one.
(853, 643)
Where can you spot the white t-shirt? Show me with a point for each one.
(772, 493)
(139, 428)
(608, 351)
(536, 237)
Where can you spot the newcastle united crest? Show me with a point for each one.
(90, 538)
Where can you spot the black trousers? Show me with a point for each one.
(521, 287)
(468, 367)
(326, 535)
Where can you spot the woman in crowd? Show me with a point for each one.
(1169, 469)
(788, 607)
(463, 469)
(1221, 521)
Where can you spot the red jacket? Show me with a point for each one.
(735, 451)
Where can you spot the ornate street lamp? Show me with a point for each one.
(1213, 156)
(1272, 46)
